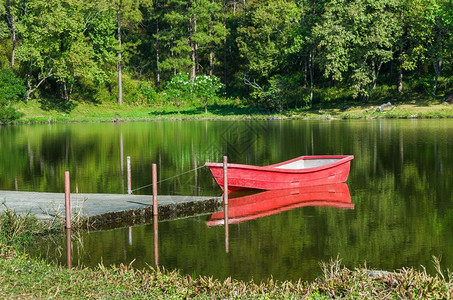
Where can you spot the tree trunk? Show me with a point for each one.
(28, 93)
(374, 76)
(211, 46)
(30, 90)
(211, 55)
(437, 72)
(225, 70)
(12, 28)
(27, 82)
(197, 64)
(391, 73)
(13, 41)
(157, 50)
(376, 70)
(400, 80)
(399, 84)
(172, 53)
(311, 66)
(68, 92)
(65, 93)
(192, 47)
(120, 75)
(305, 73)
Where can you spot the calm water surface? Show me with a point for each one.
(400, 188)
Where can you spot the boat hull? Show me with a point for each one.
(276, 177)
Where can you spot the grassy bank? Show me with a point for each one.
(25, 277)
(36, 112)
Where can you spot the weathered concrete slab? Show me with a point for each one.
(106, 208)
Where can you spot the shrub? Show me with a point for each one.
(12, 89)
(206, 88)
(147, 94)
(178, 89)
(8, 114)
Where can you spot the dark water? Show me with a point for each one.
(400, 187)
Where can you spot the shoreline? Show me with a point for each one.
(112, 112)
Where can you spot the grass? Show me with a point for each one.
(341, 108)
(24, 277)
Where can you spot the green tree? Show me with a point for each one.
(267, 34)
(439, 14)
(3, 35)
(356, 39)
(174, 37)
(100, 26)
(410, 47)
(266, 42)
(207, 32)
(217, 31)
(303, 50)
(54, 45)
(127, 14)
(11, 11)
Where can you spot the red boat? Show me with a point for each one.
(272, 202)
(298, 172)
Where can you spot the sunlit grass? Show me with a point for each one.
(229, 109)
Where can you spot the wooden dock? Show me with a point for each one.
(106, 209)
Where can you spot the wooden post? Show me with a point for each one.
(67, 199)
(130, 235)
(156, 240)
(225, 203)
(68, 248)
(227, 232)
(225, 180)
(154, 171)
(129, 180)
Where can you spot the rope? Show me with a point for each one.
(165, 179)
(142, 187)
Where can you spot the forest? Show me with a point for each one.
(276, 54)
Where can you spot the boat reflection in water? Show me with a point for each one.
(271, 202)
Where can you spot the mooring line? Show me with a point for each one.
(165, 179)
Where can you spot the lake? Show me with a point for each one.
(400, 187)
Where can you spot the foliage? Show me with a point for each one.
(266, 34)
(11, 89)
(81, 50)
(8, 114)
(205, 88)
(59, 105)
(148, 93)
(282, 90)
(356, 40)
(178, 89)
